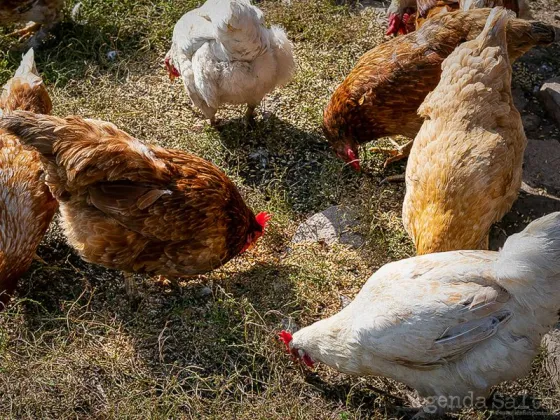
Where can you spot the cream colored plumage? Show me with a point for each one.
(448, 324)
(225, 54)
(464, 170)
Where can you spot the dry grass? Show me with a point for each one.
(72, 345)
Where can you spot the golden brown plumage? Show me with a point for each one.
(26, 205)
(464, 170)
(135, 207)
(381, 95)
(43, 13)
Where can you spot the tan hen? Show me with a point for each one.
(464, 170)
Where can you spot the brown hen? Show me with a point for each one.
(136, 207)
(381, 95)
(42, 15)
(26, 205)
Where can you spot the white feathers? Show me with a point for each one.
(225, 54)
(26, 73)
(530, 261)
(27, 65)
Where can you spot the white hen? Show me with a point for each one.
(225, 54)
(451, 325)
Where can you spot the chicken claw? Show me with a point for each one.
(26, 32)
(394, 178)
(250, 116)
(397, 153)
(39, 259)
(162, 281)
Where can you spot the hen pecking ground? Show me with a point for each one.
(74, 345)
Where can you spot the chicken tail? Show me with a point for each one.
(27, 66)
(38, 131)
(240, 30)
(494, 32)
(529, 263)
(284, 53)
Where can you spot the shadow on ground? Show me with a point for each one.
(276, 156)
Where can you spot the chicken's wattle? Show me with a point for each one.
(173, 72)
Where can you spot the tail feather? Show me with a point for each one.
(531, 260)
(27, 65)
(38, 131)
(494, 32)
(284, 53)
(240, 29)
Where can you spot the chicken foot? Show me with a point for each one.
(250, 115)
(39, 259)
(394, 178)
(26, 32)
(130, 285)
(162, 281)
(424, 411)
(397, 153)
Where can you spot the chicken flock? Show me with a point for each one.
(455, 320)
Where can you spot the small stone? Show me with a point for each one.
(540, 166)
(550, 98)
(344, 301)
(112, 55)
(531, 122)
(330, 226)
(519, 99)
(205, 292)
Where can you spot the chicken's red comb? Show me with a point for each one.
(263, 218)
(286, 337)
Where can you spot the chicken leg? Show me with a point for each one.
(397, 153)
(26, 32)
(250, 115)
(39, 259)
(130, 285)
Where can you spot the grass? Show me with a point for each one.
(73, 345)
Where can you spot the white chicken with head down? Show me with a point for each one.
(225, 54)
(451, 324)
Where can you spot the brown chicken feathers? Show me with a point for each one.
(381, 95)
(136, 207)
(26, 205)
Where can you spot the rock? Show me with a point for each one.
(519, 99)
(541, 165)
(205, 292)
(531, 122)
(550, 98)
(344, 301)
(330, 226)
